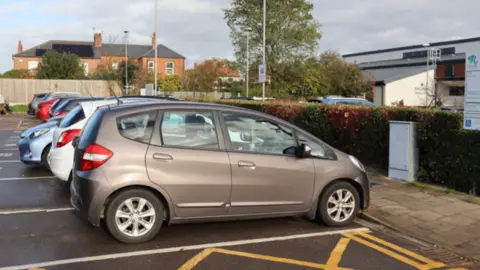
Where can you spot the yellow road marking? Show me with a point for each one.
(190, 264)
(19, 124)
(430, 264)
(336, 254)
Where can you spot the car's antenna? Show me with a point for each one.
(118, 100)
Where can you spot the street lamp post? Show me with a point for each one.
(156, 45)
(248, 58)
(126, 62)
(264, 40)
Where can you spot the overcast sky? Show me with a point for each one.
(196, 29)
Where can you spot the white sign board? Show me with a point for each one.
(471, 116)
(262, 73)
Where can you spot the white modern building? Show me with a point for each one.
(402, 73)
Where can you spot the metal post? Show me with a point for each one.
(248, 59)
(264, 40)
(156, 45)
(126, 62)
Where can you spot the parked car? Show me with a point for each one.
(55, 95)
(70, 104)
(344, 101)
(43, 107)
(33, 104)
(60, 158)
(34, 144)
(56, 104)
(143, 165)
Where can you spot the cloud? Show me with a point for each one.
(196, 28)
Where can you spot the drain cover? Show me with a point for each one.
(449, 258)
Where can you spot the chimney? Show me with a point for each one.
(97, 40)
(20, 47)
(154, 40)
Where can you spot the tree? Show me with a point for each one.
(204, 76)
(170, 83)
(57, 65)
(132, 71)
(345, 79)
(291, 31)
(16, 74)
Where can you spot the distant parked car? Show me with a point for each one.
(343, 100)
(35, 143)
(452, 109)
(43, 108)
(36, 98)
(71, 103)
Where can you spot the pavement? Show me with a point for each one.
(40, 230)
(448, 219)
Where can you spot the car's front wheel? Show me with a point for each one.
(339, 205)
(134, 216)
(44, 157)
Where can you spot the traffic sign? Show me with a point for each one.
(262, 73)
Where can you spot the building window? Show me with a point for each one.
(169, 68)
(457, 91)
(32, 65)
(151, 66)
(115, 65)
(85, 67)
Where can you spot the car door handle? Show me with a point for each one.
(246, 164)
(164, 157)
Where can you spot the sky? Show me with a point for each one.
(197, 30)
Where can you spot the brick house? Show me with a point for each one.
(97, 55)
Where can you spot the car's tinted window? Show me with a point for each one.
(192, 129)
(255, 134)
(90, 131)
(73, 117)
(137, 127)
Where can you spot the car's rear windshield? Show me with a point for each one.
(73, 117)
(90, 131)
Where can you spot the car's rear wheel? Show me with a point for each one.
(134, 216)
(45, 153)
(339, 205)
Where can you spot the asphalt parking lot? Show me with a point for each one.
(40, 230)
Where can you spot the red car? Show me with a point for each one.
(43, 108)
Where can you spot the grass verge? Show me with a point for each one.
(19, 108)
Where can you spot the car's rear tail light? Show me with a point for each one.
(60, 113)
(94, 156)
(67, 136)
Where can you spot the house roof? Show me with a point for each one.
(418, 46)
(408, 62)
(87, 50)
(388, 75)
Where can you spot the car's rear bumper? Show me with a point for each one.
(61, 161)
(88, 195)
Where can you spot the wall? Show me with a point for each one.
(20, 91)
(22, 62)
(409, 89)
(378, 95)
(179, 65)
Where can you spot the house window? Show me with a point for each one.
(151, 66)
(115, 65)
(85, 67)
(169, 68)
(32, 65)
(456, 91)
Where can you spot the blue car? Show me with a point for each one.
(343, 101)
(35, 143)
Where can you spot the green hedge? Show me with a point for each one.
(449, 155)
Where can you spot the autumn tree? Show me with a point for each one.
(169, 83)
(344, 79)
(204, 76)
(16, 74)
(291, 32)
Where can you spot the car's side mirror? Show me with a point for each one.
(304, 151)
(75, 141)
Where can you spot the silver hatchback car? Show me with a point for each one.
(140, 166)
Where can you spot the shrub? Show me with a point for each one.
(449, 156)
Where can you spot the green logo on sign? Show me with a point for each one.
(472, 59)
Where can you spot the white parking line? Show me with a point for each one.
(177, 249)
(9, 161)
(12, 149)
(31, 211)
(27, 178)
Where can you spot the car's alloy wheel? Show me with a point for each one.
(134, 216)
(338, 205)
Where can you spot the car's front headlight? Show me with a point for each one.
(39, 133)
(357, 163)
